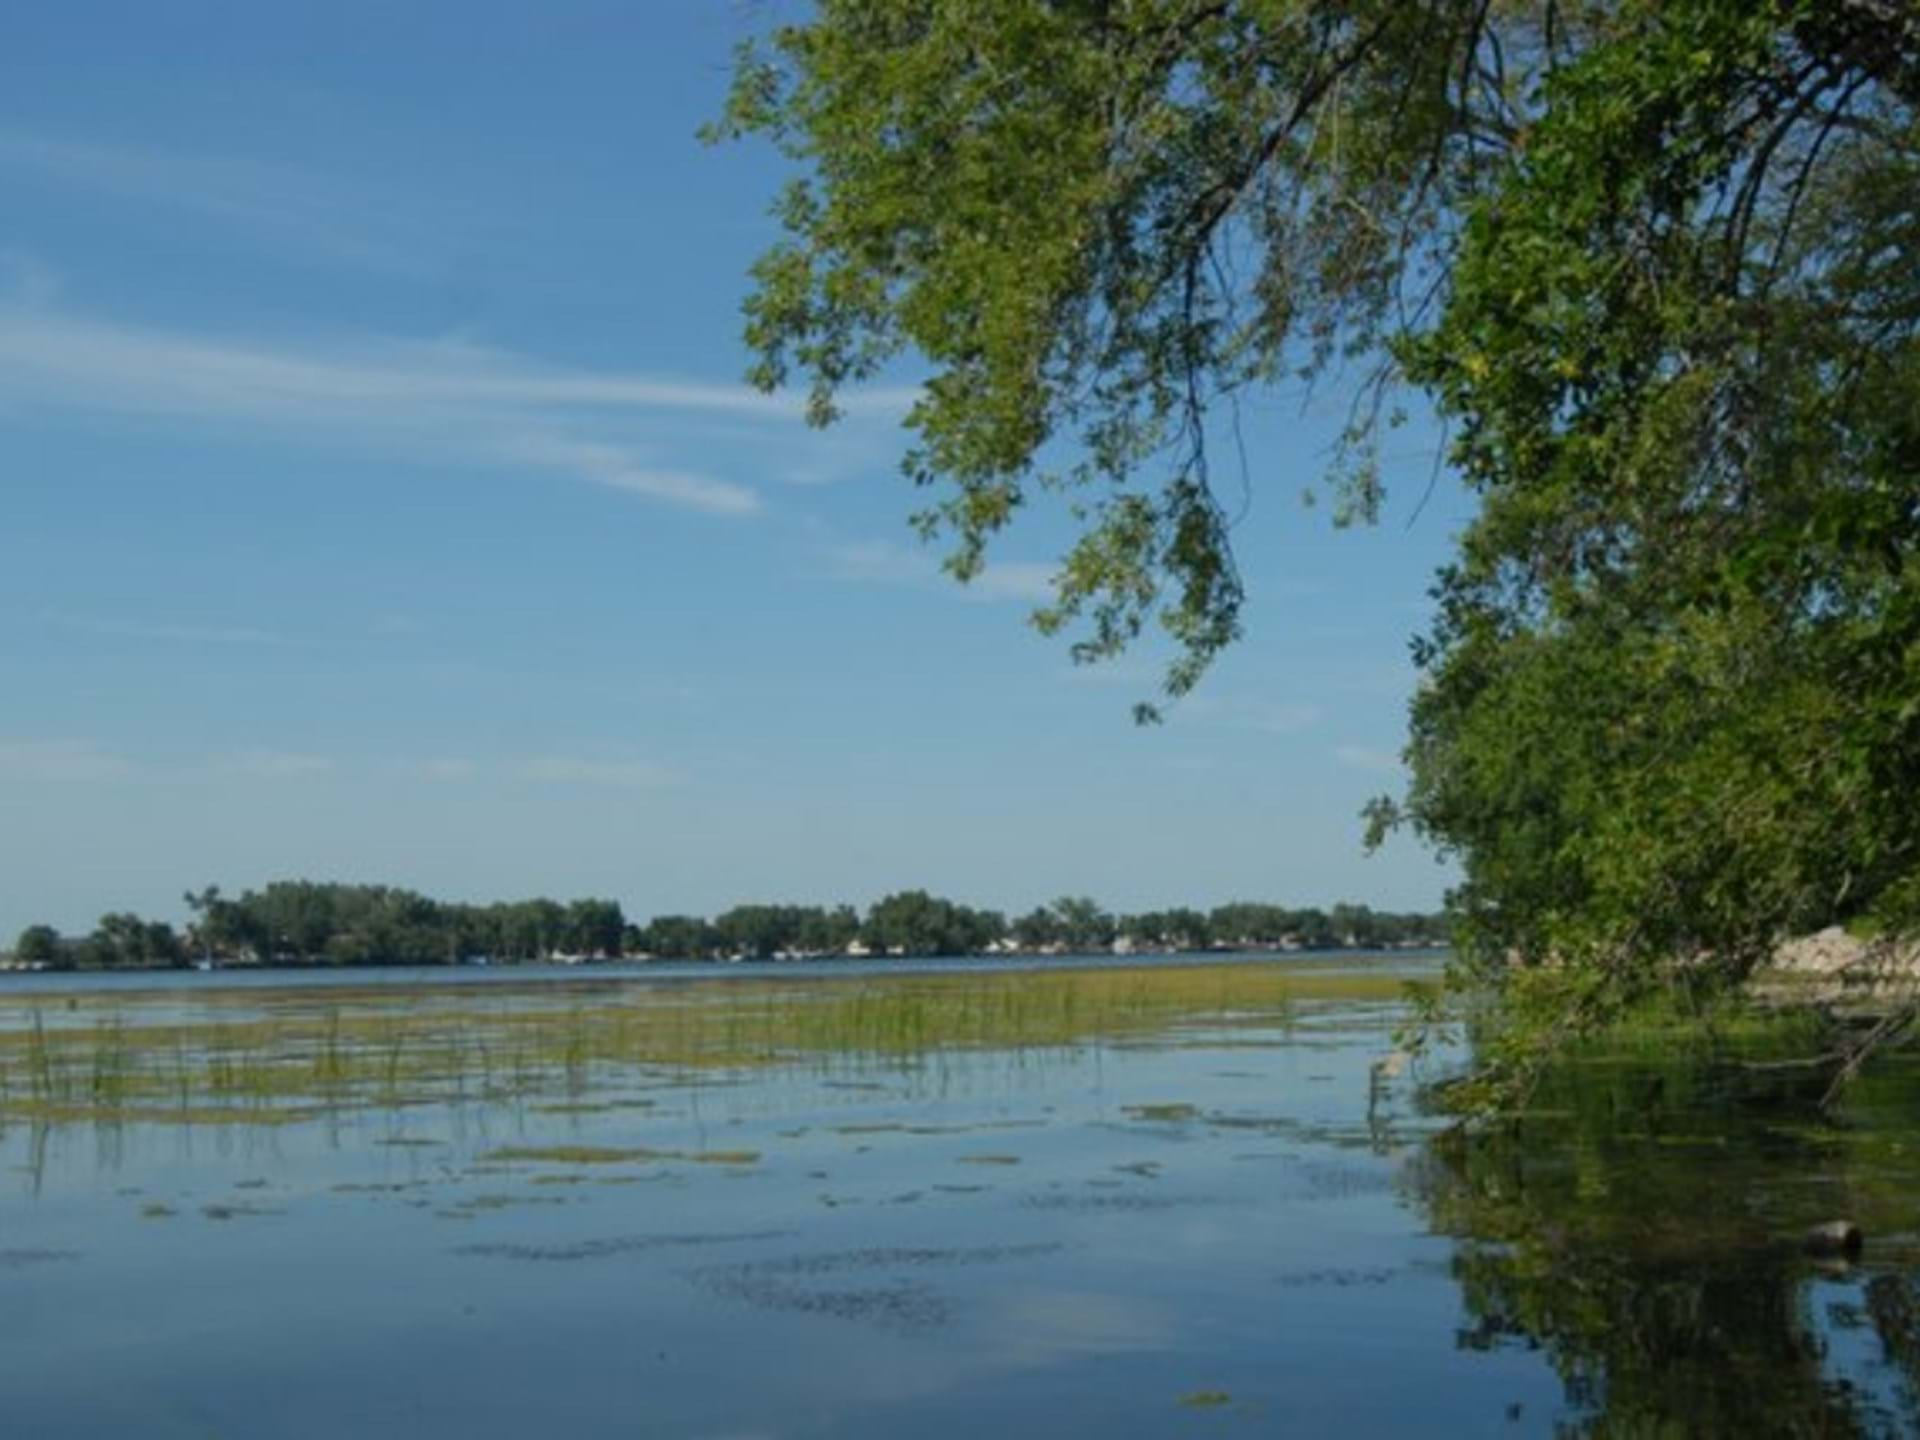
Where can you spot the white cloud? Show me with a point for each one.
(1268, 717)
(164, 631)
(26, 279)
(1132, 674)
(874, 562)
(446, 768)
(1015, 580)
(291, 207)
(441, 401)
(1193, 764)
(613, 466)
(618, 774)
(155, 371)
(275, 764)
(1283, 718)
(1361, 757)
(889, 562)
(59, 760)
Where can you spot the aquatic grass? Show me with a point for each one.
(53, 1113)
(377, 1048)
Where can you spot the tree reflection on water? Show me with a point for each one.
(1641, 1225)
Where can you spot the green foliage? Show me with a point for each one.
(1095, 222)
(916, 923)
(303, 922)
(127, 940)
(674, 937)
(1652, 259)
(1639, 1221)
(1083, 924)
(38, 945)
(763, 931)
(1671, 707)
(306, 921)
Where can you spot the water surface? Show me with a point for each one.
(1133, 1201)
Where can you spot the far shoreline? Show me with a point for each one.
(378, 975)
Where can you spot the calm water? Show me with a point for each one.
(1162, 1206)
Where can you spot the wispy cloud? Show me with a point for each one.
(1015, 580)
(890, 562)
(619, 468)
(872, 562)
(1231, 712)
(274, 764)
(57, 761)
(1276, 717)
(398, 625)
(445, 401)
(446, 769)
(26, 279)
(293, 208)
(64, 761)
(163, 631)
(1133, 674)
(1362, 757)
(617, 774)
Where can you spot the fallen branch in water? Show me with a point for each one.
(1889, 1030)
(1846, 1060)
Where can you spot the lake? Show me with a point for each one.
(1117, 1200)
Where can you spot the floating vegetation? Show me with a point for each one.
(618, 1155)
(1127, 1200)
(20, 1259)
(480, 1203)
(895, 1303)
(574, 1154)
(1340, 1279)
(617, 1245)
(1164, 1113)
(236, 1211)
(905, 1305)
(989, 1159)
(1205, 1399)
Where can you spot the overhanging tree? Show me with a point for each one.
(1654, 260)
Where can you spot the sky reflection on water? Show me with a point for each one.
(1223, 1229)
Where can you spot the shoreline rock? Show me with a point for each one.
(1834, 954)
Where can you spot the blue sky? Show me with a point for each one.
(382, 502)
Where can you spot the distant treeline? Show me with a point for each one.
(302, 922)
